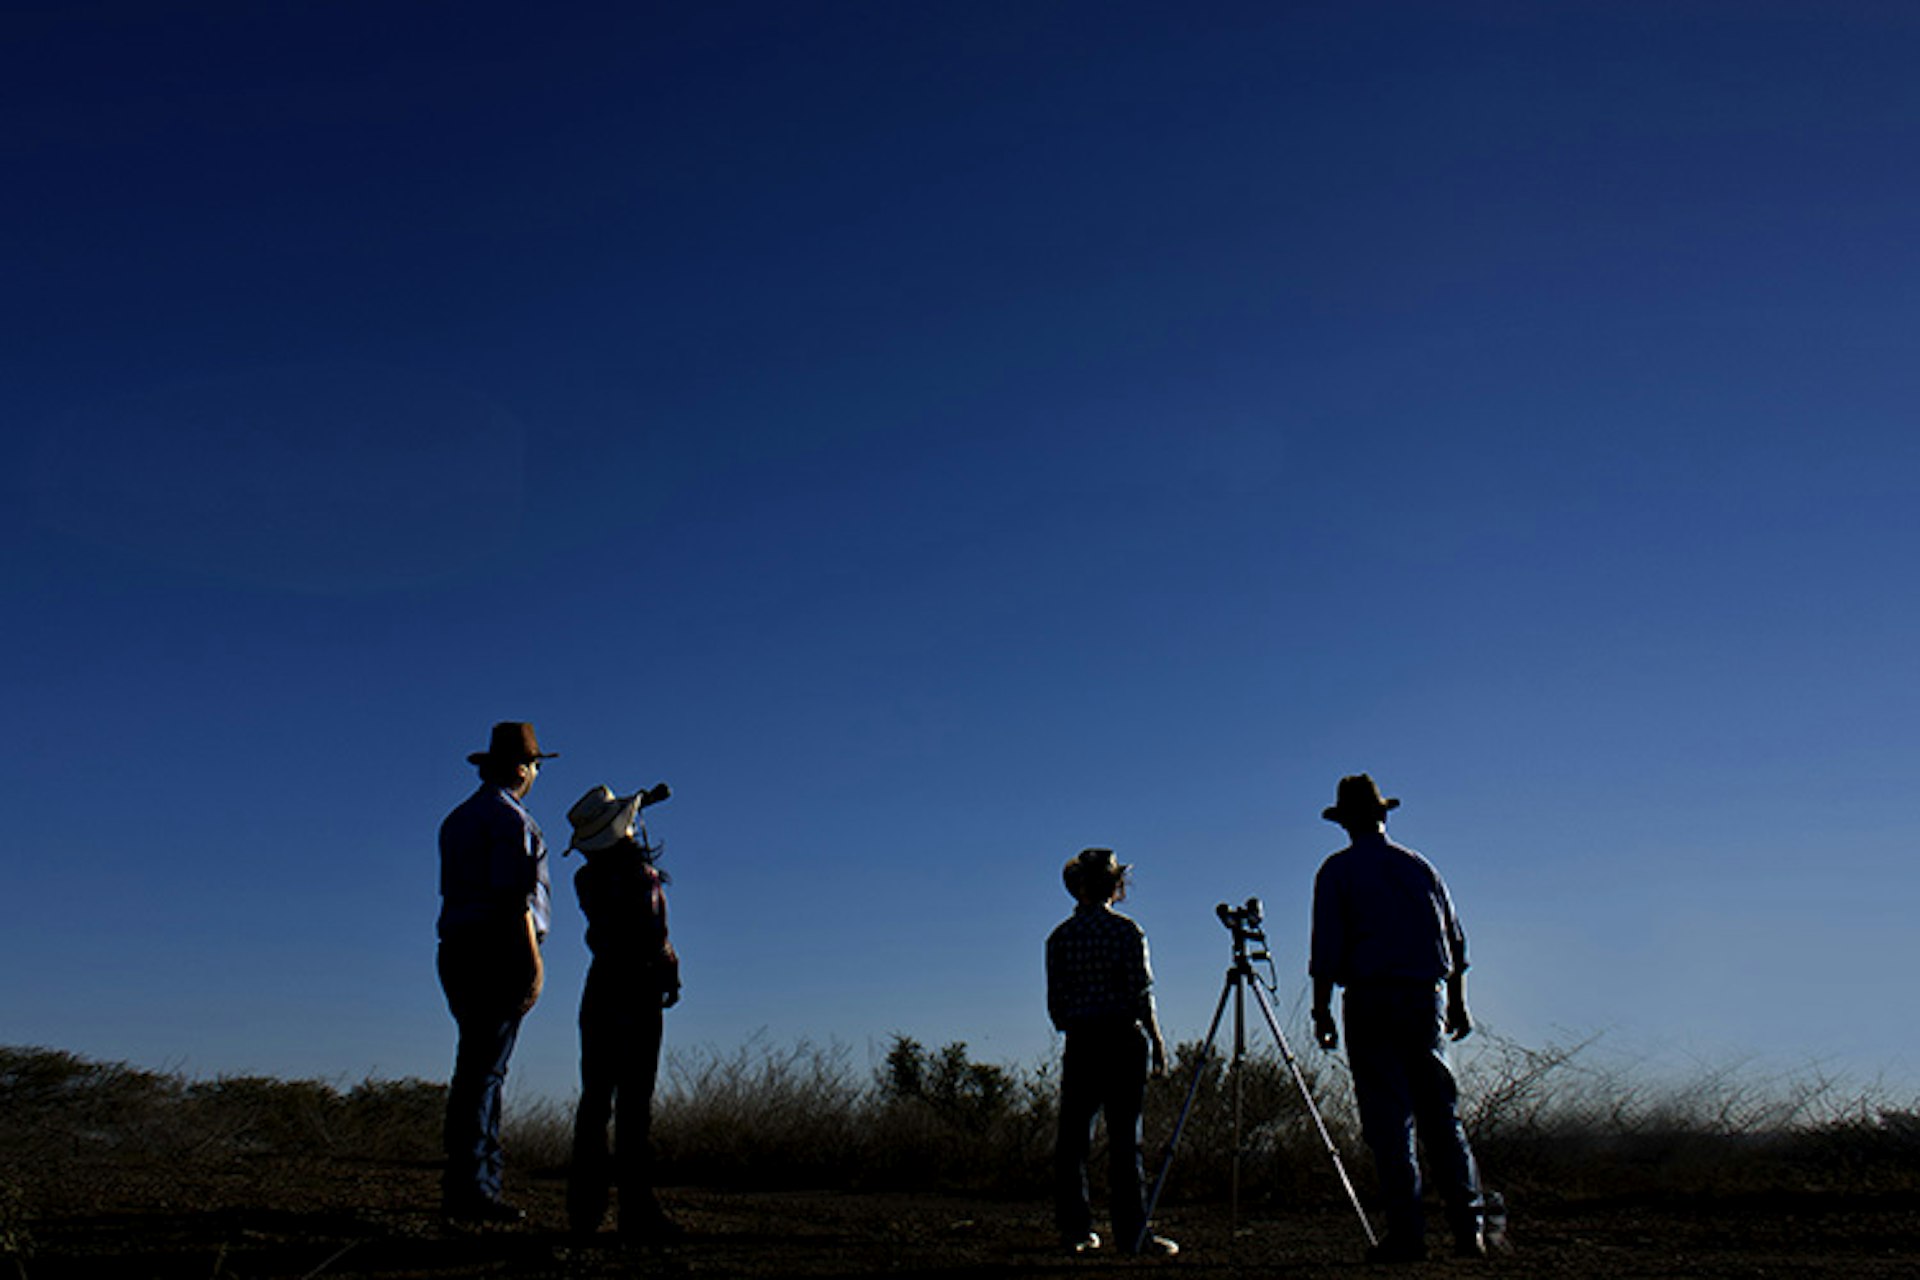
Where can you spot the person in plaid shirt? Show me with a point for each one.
(1100, 994)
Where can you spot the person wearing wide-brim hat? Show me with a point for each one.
(1385, 931)
(494, 913)
(633, 978)
(1100, 994)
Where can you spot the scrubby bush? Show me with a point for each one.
(761, 1116)
(1547, 1122)
(56, 1108)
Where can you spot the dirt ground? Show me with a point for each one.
(343, 1220)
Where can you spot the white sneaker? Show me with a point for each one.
(1158, 1247)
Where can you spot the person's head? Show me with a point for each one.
(1358, 805)
(512, 758)
(602, 820)
(1096, 877)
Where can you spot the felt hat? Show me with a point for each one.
(1359, 797)
(602, 819)
(512, 743)
(1091, 866)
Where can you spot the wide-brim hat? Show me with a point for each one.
(1092, 866)
(513, 743)
(602, 819)
(1358, 796)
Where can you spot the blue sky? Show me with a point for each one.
(939, 437)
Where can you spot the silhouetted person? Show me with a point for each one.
(635, 975)
(493, 917)
(1384, 929)
(1100, 994)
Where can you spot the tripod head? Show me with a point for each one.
(1244, 922)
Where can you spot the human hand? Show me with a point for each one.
(1159, 1065)
(1325, 1030)
(1459, 1021)
(536, 968)
(670, 997)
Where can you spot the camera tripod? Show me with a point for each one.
(1244, 922)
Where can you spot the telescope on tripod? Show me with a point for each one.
(1249, 948)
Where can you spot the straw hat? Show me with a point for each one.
(602, 819)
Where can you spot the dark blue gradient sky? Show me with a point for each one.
(939, 436)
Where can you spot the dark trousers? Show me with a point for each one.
(485, 975)
(620, 1029)
(1104, 1069)
(1404, 1087)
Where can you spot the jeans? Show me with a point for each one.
(485, 975)
(620, 1030)
(1404, 1087)
(1104, 1069)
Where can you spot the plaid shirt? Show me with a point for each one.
(493, 864)
(1097, 969)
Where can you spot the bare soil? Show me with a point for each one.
(276, 1218)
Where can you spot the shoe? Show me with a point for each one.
(1157, 1247)
(1080, 1246)
(1398, 1249)
(480, 1211)
(1469, 1244)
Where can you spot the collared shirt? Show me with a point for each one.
(1381, 913)
(1097, 969)
(493, 863)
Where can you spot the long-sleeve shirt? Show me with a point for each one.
(1381, 913)
(1098, 970)
(625, 904)
(493, 864)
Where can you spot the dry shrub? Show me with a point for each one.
(59, 1111)
(761, 1116)
(1550, 1122)
(1282, 1158)
(537, 1135)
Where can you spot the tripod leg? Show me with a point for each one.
(1306, 1096)
(1193, 1087)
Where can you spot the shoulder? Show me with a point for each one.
(1414, 857)
(1334, 864)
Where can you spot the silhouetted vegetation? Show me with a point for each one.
(1548, 1124)
(56, 1108)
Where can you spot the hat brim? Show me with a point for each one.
(1336, 813)
(619, 823)
(481, 757)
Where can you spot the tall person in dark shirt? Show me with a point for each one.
(1384, 929)
(634, 977)
(494, 913)
(1100, 993)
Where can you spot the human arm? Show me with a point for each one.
(1149, 1017)
(1459, 1021)
(1326, 948)
(536, 968)
(1157, 1043)
(1325, 1030)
